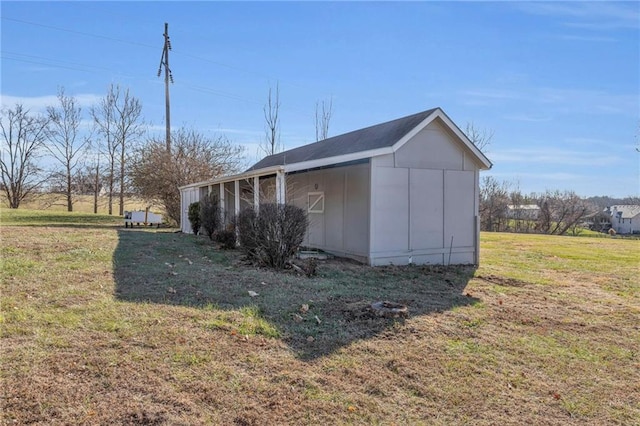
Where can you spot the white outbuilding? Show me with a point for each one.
(399, 192)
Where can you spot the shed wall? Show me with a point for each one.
(188, 196)
(424, 207)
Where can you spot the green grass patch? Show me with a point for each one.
(247, 322)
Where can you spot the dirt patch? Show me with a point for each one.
(503, 281)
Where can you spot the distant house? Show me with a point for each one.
(599, 221)
(523, 211)
(399, 192)
(625, 219)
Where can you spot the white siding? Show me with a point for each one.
(428, 196)
(459, 218)
(427, 210)
(431, 148)
(390, 229)
(188, 196)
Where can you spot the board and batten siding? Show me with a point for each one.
(424, 206)
(188, 196)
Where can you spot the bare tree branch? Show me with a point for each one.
(481, 138)
(63, 133)
(104, 117)
(118, 120)
(156, 174)
(324, 112)
(23, 136)
(129, 127)
(271, 110)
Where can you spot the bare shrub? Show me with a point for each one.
(210, 215)
(310, 267)
(194, 217)
(247, 223)
(227, 239)
(272, 235)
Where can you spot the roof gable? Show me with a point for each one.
(625, 211)
(375, 140)
(382, 135)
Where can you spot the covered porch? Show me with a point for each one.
(237, 192)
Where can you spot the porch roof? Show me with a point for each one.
(231, 178)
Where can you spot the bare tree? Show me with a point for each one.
(271, 144)
(96, 186)
(129, 128)
(23, 136)
(88, 179)
(103, 117)
(157, 174)
(118, 120)
(494, 199)
(62, 137)
(560, 211)
(481, 138)
(323, 118)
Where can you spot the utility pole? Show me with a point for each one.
(168, 77)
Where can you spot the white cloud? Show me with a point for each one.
(526, 117)
(554, 176)
(588, 39)
(492, 94)
(582, 184)
(40, 103)
(596, 15)
(249, 133)
(555, 156)
(556, 101)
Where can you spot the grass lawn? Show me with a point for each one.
(55, 202)
(106, 325)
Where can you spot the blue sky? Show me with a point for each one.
(557, 82)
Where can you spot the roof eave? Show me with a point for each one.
(230, 178)
(328, 161)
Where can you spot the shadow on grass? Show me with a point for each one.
(178, 269)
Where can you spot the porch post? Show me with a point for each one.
(281, 188)
(236, 198)
(256, 193)
(222, 198)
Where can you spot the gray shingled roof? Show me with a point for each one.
(374, 137)
(627, 211)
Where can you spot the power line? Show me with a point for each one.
(24, 55)
(189, 55)
(77, 32)
(194, 87)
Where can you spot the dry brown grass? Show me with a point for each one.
(102, 325)
(81, 203)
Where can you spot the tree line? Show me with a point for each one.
(504, 208)
(107, 150)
